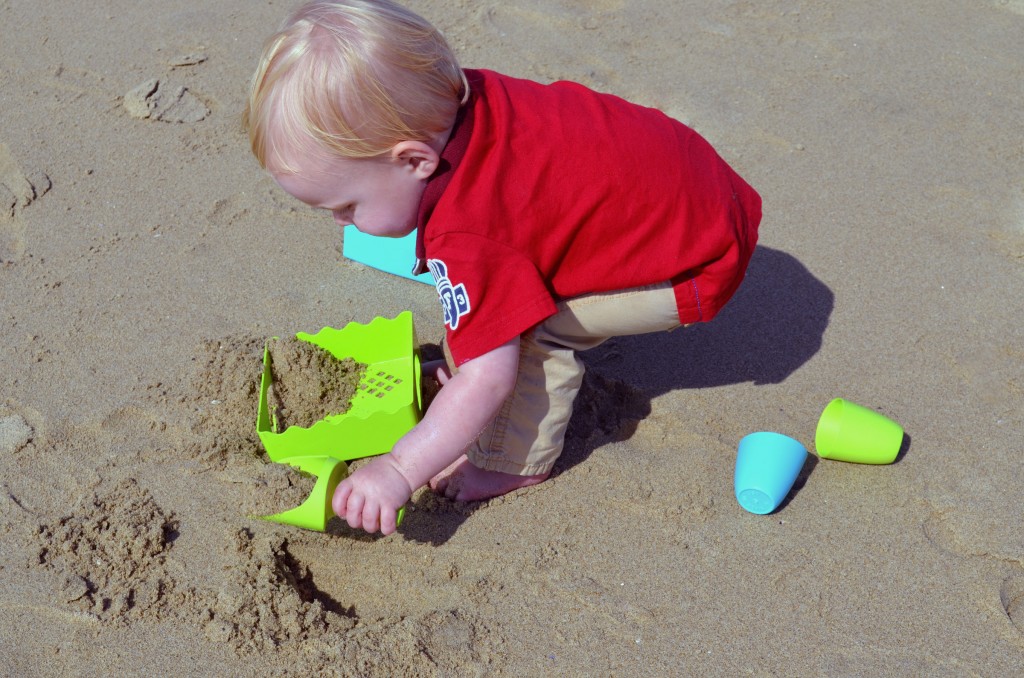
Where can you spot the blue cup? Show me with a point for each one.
(767, 465)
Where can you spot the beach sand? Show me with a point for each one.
(145, 258)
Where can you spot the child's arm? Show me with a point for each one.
(370, 497)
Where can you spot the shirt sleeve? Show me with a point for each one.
(489, 292)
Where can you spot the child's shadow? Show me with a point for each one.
(773, 325)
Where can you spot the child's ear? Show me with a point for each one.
(419, 157)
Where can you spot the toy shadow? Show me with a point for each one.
(773, 325)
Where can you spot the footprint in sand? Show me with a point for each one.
(1011, 594)
(944, 536)
(18, 190)
(158, 100)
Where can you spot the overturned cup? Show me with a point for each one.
(851, 432)
(767, 465)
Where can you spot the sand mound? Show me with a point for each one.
(224, 399)
(111, 553)
(606, 407)
(18, 189)
(268, 599)
(309, 383)
(272, 488)
(269, 602)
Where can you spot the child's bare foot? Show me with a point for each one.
(464, 482)
(437, 369)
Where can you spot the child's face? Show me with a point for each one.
(381, 196)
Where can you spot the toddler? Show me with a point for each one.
(552, 217)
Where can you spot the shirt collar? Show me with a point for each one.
(451, 158)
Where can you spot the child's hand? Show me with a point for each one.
(369, 499)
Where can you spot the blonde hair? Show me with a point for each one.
(352, 79)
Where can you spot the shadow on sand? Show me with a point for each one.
(773, 325)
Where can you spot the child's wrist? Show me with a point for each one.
(396, 465)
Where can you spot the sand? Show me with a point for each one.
(308, 383)
(145, 258)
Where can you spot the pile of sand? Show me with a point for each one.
(224, 394)
(309, 383)
(272, 488)
(268, 599)
(118, 557)
(110, 553)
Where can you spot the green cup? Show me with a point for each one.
(850, 432)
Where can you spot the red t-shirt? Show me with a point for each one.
(547, 192)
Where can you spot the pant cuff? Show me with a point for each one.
(508, 466)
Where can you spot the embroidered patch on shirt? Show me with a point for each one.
(454, 298)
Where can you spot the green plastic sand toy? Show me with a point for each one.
(385, 407)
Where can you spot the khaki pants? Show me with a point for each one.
(528, 433)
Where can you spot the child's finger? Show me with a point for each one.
(389, 519)
(354, 511)
(340, 499)
(371, 517)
